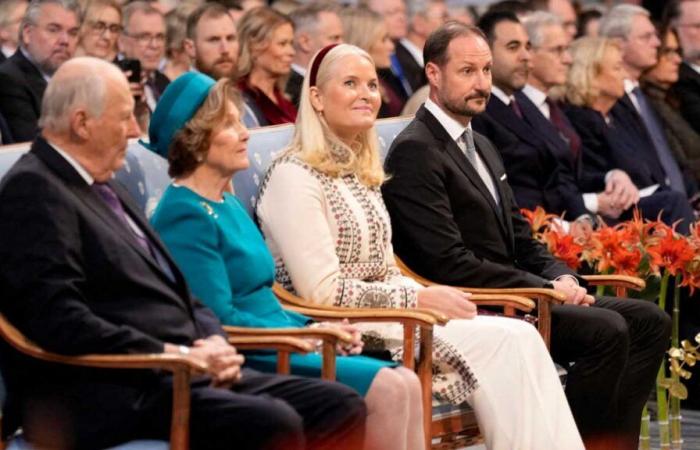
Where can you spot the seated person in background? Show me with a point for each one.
(264, 62)
(538, 161)
(226, 263)
(367, 30)
(66, 232)
(100, 30)
(656, 83)
(595, 83)
(423, 18)
(684, 16)
(177, 61)
(143, 38)
(48, 36)
(322, 214)
(455, 222)
(630, 24)
(316, 25)
(5, 133)
(588, 22)
(211, 41)
(11, 13)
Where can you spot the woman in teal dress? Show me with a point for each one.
(227, 264)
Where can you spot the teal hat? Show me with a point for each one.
(178, 104)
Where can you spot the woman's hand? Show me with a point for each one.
(450, 301)
(349, 348)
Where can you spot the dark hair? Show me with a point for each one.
(435, 48)
(487, 23)
(211, 10)
(230, 4)
(515, 6)
(584, 19)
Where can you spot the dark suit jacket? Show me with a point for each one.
(75, 280)
(21, 90)
(414, 72)
(160, 82)
(446, 225)
(293, 87)
(687, 89)
(539, 165)
(5, 131)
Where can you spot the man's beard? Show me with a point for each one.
(462, 108)
(214, 70)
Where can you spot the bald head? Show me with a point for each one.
(87, 111)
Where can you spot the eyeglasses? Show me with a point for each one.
(146, 38)
(100, 27)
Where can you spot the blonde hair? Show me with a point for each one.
(317, 145)
(255, 30)
(361, 27)
(587, 54)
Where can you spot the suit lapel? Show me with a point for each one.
(453, 150)
(83, 192)
(36, 81)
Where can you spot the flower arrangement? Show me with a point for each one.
(651, 250)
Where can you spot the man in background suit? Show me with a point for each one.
(49, 35)
(455, 221)
(316, 25)
(685, 18)
(82, 272)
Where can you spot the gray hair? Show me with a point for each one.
(31, 16)
(132, 8)
(87, 90)
(306, 18)
(535, 22)
(415, 7)
(617, 23)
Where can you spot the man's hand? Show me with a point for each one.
(607, 206)
(623, 192)
(452, 302)
(223, 361)
(575, 294)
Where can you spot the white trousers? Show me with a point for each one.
(520, 403)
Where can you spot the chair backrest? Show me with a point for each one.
(145, 174)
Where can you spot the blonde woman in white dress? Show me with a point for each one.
(321, 211)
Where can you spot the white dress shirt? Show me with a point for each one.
(416, 52)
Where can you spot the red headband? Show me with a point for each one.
(317, 62)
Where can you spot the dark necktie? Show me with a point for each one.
(572, 139)
(110, 197)
(654, 128)
(516, 108)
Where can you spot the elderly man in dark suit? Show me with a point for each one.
(455, 221)
(82, 272)
(49, 35)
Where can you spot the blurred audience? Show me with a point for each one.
(517, 7)
(367, 30)
(100, 30)
(264, 62)
(211, 43)
(685, 18)
(640, 43)
(316, 25)
(143, 39)
(656, 83)
(594, 85)
(176, 61)
(457, 10)
(11, 13)
(424, 17)
(48, 38)
(588, 23)
(564, 9)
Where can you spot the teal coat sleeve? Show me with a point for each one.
(194, 239)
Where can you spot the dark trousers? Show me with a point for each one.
(616, 348)
(262, 411)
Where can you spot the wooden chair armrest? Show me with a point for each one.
(508, 302)
(549, 295)
(404, 316)
(309, 333)
(623, 281)
(277, 343)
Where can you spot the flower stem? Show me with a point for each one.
(661, 392)
(644, 442)
(676, 434)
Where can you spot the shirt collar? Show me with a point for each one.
(453, 128)
(536, 96)
(501, 95)
(630, 85)
(413, 49)
(73, 162)
(301, 70)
